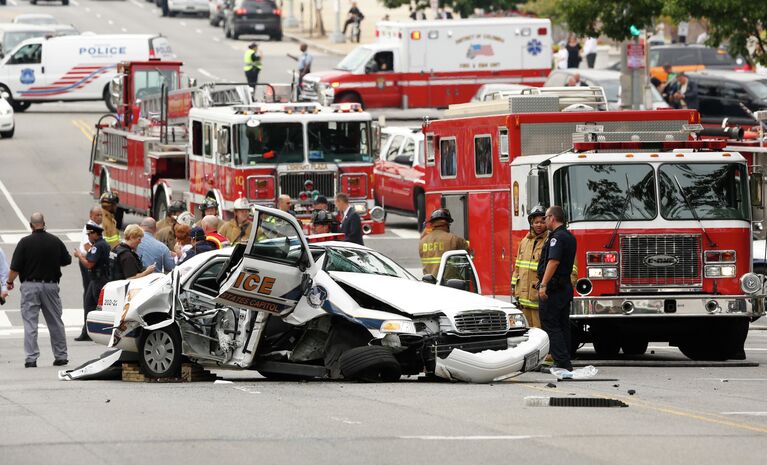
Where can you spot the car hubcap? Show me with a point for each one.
(159, 351)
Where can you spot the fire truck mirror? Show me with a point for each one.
(191, 82)
(116, 87)
(756, 184)
(223, 143)
(376, 137)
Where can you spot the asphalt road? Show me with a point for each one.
(678, 414)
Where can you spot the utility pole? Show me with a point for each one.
(337, 37)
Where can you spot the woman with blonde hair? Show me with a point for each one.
(128, 263)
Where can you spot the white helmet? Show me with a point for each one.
(185, 218)
(241, 204)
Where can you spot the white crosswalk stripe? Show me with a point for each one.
(13, 238)
(12, 325)
(405, 233)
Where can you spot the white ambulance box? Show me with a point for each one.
(73, 68)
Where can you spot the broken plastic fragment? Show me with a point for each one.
(581, 373)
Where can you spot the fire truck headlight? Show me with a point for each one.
(717, 271)
(751, 283)
(377, 214)
(517, 320)
(602, 272)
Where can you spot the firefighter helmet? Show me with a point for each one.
(209, 202)
(241, 204)
(441, 214)
(109, 197)
(536, 211)
(185, 218)
(322, 217)
(177, 206)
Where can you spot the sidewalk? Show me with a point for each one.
(372, 9)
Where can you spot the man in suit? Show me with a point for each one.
(684, 94)
(351, 225)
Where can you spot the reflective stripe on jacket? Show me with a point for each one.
(111, 234)
(436, 243)
(525, 273)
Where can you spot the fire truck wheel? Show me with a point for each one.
(606, 346)
(634, 346)
(696, 349)
(420, 210)
(160, 207)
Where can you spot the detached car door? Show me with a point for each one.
(275, 269)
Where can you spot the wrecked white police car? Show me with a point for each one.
(294, 310)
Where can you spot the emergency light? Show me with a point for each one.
(660, 146)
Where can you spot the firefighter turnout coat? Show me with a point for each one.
(526, 268)
(235, 233)
(436, 243)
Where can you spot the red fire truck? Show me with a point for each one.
(192, 143)
(663, 222)
(436, 63)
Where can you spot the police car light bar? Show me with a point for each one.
(324, 237)
(661, 146)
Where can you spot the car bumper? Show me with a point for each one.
(676, 305)
(181, 7)
(100, 327)
(6, 122)
(256, 26)
(494, 365)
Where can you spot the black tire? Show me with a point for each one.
(235, 34)
(634, 346)
(606, 346)
(371, 364)
(277, 37)
(33, 2)
(160, 352)
(348, 97)
(702, 349)
(8, 134)
(20, 106)
(160, 205)
(108, 100)
(420, 210)
(65, 2)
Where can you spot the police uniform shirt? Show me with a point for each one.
(559, 246)
(99, 256)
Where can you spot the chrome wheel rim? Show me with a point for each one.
(159, 351)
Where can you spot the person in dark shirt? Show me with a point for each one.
(37, 261)
(351, 224)
(573, 52)
(199, 244)
(354, 15)
(129, 262)
(96, 261)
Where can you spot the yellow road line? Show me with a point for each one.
(676, 411)
(84, 128)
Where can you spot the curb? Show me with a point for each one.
(297, 38)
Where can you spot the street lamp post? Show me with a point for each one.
(291, 20)
(337, 37)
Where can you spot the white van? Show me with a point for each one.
(73, 68)
(12, 34)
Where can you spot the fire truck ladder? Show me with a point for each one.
(535, 100)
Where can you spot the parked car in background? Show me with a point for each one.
(12, 34)
(32, 18)
(609, 80)
(216, 9)
(252, 17)
(7, 123)
(723, 94)
(486, 91)
(399, 171)
(685, 58)
(194, 7)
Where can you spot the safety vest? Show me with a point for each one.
(251, 60)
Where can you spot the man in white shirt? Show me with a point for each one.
(590, 50)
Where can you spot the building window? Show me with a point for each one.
(447, 158)
(483, 155)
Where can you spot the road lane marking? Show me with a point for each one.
(84, 128)
(138, 4)
(13, 2)
(14, 207)
(346, 421)
(752, 414)
(405, 233)
(208, 75)
(4, 321)
(472, 438)
(71, 317)
(246, 389)
(75, 3)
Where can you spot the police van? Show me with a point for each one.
(73, 68)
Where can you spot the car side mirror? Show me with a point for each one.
(404, 160)
(459, 284)
(306, 284)
(756, 186)
(430, 279)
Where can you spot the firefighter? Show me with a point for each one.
(555, 292)
(526, 265)
(252, 64)
(238, 228)
(209, 207)
(439, 241)
(109, 202)
(175, 209)
(209, 225)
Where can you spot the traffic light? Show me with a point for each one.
(635, 31)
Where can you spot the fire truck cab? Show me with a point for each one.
(663, 222)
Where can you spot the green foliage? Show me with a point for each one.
(463, 8)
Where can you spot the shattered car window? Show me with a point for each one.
(363, 261)
(276, 239)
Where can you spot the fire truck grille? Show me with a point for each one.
(661, 261)
(481, 321)
(293, 183)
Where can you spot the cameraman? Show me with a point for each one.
(355, 15)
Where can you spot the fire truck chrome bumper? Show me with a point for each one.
(649, 306)
(494, 365)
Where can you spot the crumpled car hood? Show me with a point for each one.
(419, 298)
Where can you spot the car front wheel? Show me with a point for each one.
(160, 352)
(371, 364)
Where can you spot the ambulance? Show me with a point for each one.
(436, 63)
(73, 68)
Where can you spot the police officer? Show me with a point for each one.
(97, 263)
(555, 291)
(439, 241)
(109, 202)
(252, 64)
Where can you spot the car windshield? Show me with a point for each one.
(363, 261)
(606, 192)
(758, 88)
(269, 143)
(12, 39)
(353, 61)
(714, 191)
(339, 141)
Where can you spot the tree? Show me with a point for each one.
(464, 8)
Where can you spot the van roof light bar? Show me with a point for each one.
(660, 146)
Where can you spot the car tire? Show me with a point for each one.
(65, 2)
(634, 346)
(235, 34)
(108, 100)
(277, 37)
(371, 364)
(420, 210)
(160, 352)
(606, 346)
(7, 134)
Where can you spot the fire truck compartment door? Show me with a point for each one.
(457, 206)
(276, 270)
(457, 264)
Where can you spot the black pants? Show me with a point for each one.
(347, 23)
(92, 298)
(252, 76)
(555, 320)
(86, 276)
(591, 58)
